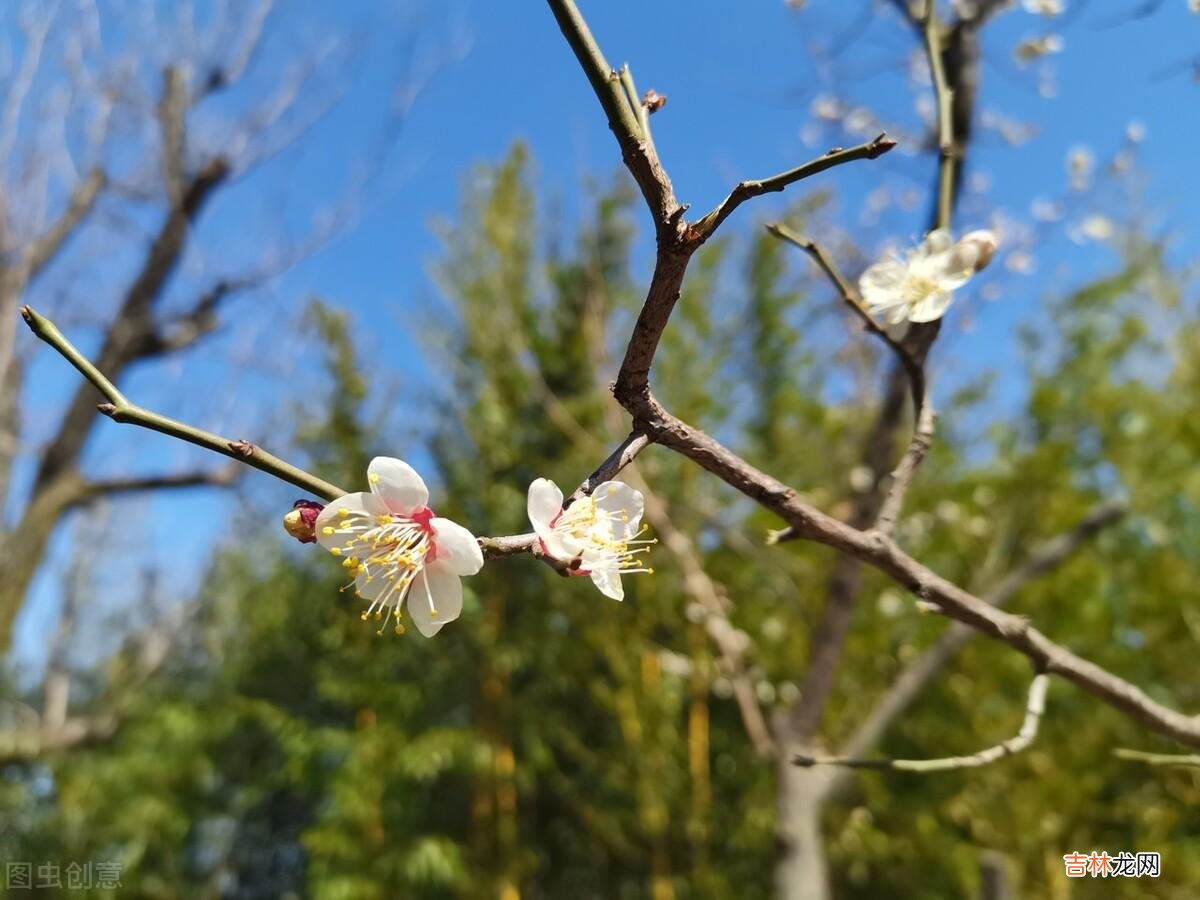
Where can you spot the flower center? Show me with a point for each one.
(601, 537)
(386, 553)
(916, 288)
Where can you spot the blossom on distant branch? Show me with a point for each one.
(397, 548)
(918, 288)
(598, 535)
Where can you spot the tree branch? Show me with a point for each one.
(83, 197)
(207, 477)
(869, 546)
(172, 116)
(119, 409)
(624, 113)
(1034, 708)
(906, 469)
(850, 296)
(881, 552)
(918, 675)
(1159, 759)
(131, 333)
(704, 227)
(23, 744)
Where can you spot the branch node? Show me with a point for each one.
(242, 447)
(653, 101)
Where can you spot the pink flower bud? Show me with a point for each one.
(301, 522)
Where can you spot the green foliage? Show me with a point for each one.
(553, 743)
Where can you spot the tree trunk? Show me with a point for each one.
(801, 872)
(22, 549)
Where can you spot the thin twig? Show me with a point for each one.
(914, 678)
(120, 409)
(849, 296)
(872, 149)
(944, 96)
(1158, 759)
(906, 469)
(1034, 708)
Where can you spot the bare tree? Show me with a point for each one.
(93, 138)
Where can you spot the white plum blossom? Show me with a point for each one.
(398, 549)
(1048, 8)
(918, 287)
(598, 535)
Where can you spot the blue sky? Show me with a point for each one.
(741, 79)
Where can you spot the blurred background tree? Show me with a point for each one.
(259, 740)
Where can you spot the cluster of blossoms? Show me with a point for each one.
(403, 556)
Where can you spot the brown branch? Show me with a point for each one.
(850, 296)
(1034, 708)
(744, 190)
(205, 478)
(130, 334)
(24, 744)
(172, 115)
(881, 552)
(906, 469)
(624, 115)
(918, 675)
(83, 197)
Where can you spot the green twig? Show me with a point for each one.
(1159, 759)
(1034, 708)
(944, 94)
(622, 112)
(120, 409)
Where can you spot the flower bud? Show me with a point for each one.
(979, 245)
(301, 522)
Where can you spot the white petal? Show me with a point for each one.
(882, 281)
(356, 505)
(937, 241)
(608, 582)
(984, 243)
(953, 280)
(624, 504)
(397, 484)
(369, 589)
(932, 307)
(561, 547)
(543, 504)
(435, 598)
(961, 262)
(457, 548)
